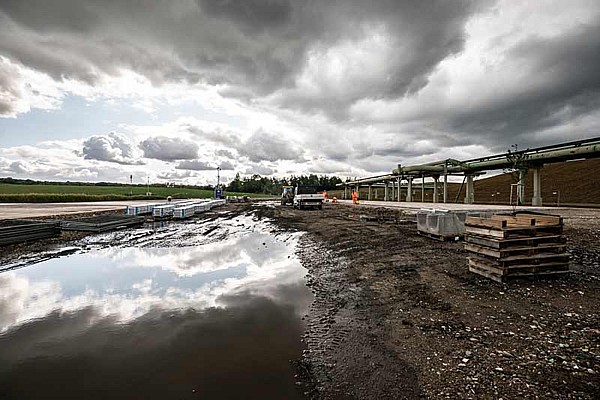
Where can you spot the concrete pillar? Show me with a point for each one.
(470, 191)
(392, 190)
(537, 187)
(422, 189)
(345, 192)
(521, 187)
(445, 188)
(385, 192)
(370, 190)
(435, 188)
(399, 189)
(409, 190)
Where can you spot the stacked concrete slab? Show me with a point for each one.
(178, 210)
(506, 247)
(18, 231)
(216, 203)
(185, 211)
(201, 207)
(443, 225)
(141, 209)
(102, 223)
(163, 211)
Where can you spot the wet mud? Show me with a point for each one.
(399, 316)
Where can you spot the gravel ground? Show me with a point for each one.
(399, 316)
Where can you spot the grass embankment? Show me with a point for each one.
(10, 193)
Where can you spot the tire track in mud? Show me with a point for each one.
(346, 356)
(397, 315)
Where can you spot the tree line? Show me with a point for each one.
(261, 184)
(15, 181)
(251, 184)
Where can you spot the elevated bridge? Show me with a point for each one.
(518, 161)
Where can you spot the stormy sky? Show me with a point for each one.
(100, 89)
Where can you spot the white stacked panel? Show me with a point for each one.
(216, 203)
(184, 211)
(163, 211)
(140, 209)
(200, 207)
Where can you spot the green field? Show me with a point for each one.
(60, 193)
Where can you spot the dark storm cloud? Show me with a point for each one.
(564, 84)
(254, 15)
(84, 40)
(38, 15)
(258, 45)
(112, 147)
(325, 58)
(395, 145)
(168, 149)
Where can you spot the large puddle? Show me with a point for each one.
(182, 314)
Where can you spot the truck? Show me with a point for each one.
(307, 196)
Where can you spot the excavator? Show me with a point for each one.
(287, 195)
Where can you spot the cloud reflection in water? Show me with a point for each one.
(218, 320)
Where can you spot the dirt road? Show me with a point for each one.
(399, 316)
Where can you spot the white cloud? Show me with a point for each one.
(24, 298)
(113, 147)
(196, 165)
(265, 146)
(169, 149)
(259, 169)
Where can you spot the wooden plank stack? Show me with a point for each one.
(506, 247)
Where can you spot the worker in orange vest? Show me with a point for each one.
(354, 197)
(325, 196)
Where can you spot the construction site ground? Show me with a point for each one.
(397, 315)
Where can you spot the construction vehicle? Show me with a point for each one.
(287, 195)
(307, 196)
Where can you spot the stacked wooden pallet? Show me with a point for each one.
(506, 247)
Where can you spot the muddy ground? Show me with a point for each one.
(397, 315)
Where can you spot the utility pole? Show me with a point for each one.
(218, 192)
(148, 186)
